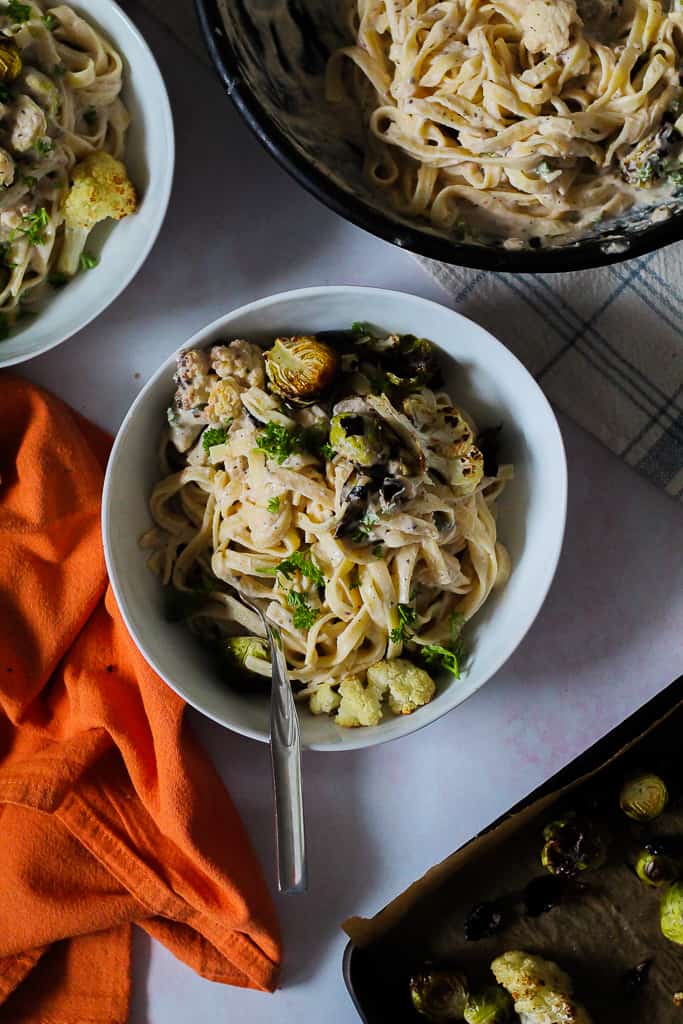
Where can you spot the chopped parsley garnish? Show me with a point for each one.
(5, 94)
(327, 451)
(90, 116)
(44, 146)
(304, 616)
(34, 225)
(50, 22)
(673, 171)
(354, 583)
(298, 561)
(362, 327)
(19, 12)
(378, 550)
(29, 180)
(214, 435)
(273, 505)
(450, 656)
(278, 442)
(406, 618)
(364, 528)
(88, 261)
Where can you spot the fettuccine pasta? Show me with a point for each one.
(361, 518)
(514, 120)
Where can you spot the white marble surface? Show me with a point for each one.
(608, 637)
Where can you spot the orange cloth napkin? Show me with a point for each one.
(110, 814)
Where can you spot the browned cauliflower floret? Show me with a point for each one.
(408, 686)
(541, 991)
(325, 700)
(240, 360)
(192, 378)
(30, 124)
(101, 190)
(224, 403)
(547, 25)
(360, 704)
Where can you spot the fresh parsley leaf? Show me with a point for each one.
(29, 180)
(304, 616)
(5, 95)
(441, 657)
(34, 225)
(278, 442)
(90, 116)
(378, 550)
(363, 327)
(273, 505)
(214, 435)
(327, 451)
(50, 22)
(44, 146)
(300, 562)
(406, 618)
(88, 261)
(19, 12)
(316, 441)
(364, 528)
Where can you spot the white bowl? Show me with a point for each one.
(488, 381)
(122, 247)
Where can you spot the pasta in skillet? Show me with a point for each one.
(517, 119)
(331, 481)
(62, 137)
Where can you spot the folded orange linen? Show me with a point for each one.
(110, 814)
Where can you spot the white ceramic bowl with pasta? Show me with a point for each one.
(480, 374)
(121, 247)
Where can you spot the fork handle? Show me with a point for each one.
(285, 753)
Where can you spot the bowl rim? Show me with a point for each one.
(357, 738)
(588, 255)
(162, 194)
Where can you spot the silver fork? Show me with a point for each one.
(285, 756)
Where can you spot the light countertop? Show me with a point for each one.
(608, 638)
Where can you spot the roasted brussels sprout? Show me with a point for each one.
(656, 869)
(359, 437)
(249, 654)
(493, 1005)
(643, 797)
(10, 62)
(300, 369)
(671, 914)
(572, 844)
(439, 993)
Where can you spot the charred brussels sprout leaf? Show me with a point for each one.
(439, 993)
(358, 437)
(572, 844)
(300, 369)
(643, 797)
(493, 1005)
(656, 869)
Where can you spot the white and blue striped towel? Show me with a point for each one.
(605, 345)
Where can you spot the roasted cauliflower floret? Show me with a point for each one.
(240, 360)
(541, 991)
(359, 704)
(192, 378)
(101, 190)
(547, 25)
(30, 124)
(325, 700)
(7, 168)
(407, 686)
(224, 402)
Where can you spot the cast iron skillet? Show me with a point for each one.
(236, 51)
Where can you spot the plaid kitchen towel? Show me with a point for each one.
(605, 345)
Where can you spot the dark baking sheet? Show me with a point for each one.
(375, 974)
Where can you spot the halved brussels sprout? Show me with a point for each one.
(359, 437)
(493, 1005)
(643, 797)
(671, 914)
(439, 993)
(571, 845)
(300, 369)
(10, 62)
(249, 654)
(656, 869)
